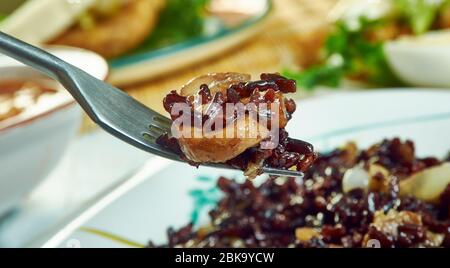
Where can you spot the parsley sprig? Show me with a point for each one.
(348, 52)
(179, 21)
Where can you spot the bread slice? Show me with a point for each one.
(115, 35)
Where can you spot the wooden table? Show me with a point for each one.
(278, 46)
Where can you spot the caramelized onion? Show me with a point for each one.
(215, 81)
(355, 178)
(427, 184)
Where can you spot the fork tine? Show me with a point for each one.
(158, 130)
(283, 172)
(154, 134)
(266, 170)
(161, 121)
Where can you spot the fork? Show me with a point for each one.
(110, 108)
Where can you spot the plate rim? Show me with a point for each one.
(56, 235)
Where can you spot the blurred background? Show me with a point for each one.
(149, 47)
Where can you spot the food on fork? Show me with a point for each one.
(233, 120)
(348, 198)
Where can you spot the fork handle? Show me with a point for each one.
(32, 56)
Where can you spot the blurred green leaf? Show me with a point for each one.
(348, 52)
(420, 14)
(317, 75)
(179, 21)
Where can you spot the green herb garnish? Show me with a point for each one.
(2, 16)
(348, 52)
(179, 21)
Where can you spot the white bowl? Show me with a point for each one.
(31, 144)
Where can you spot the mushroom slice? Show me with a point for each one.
(215, 81)
(427, 184)
(217, 147)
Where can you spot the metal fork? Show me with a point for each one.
(109, 107)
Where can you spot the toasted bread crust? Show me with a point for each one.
(120, 33)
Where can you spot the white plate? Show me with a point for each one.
(157, 197)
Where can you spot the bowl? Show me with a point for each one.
(32, 142)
